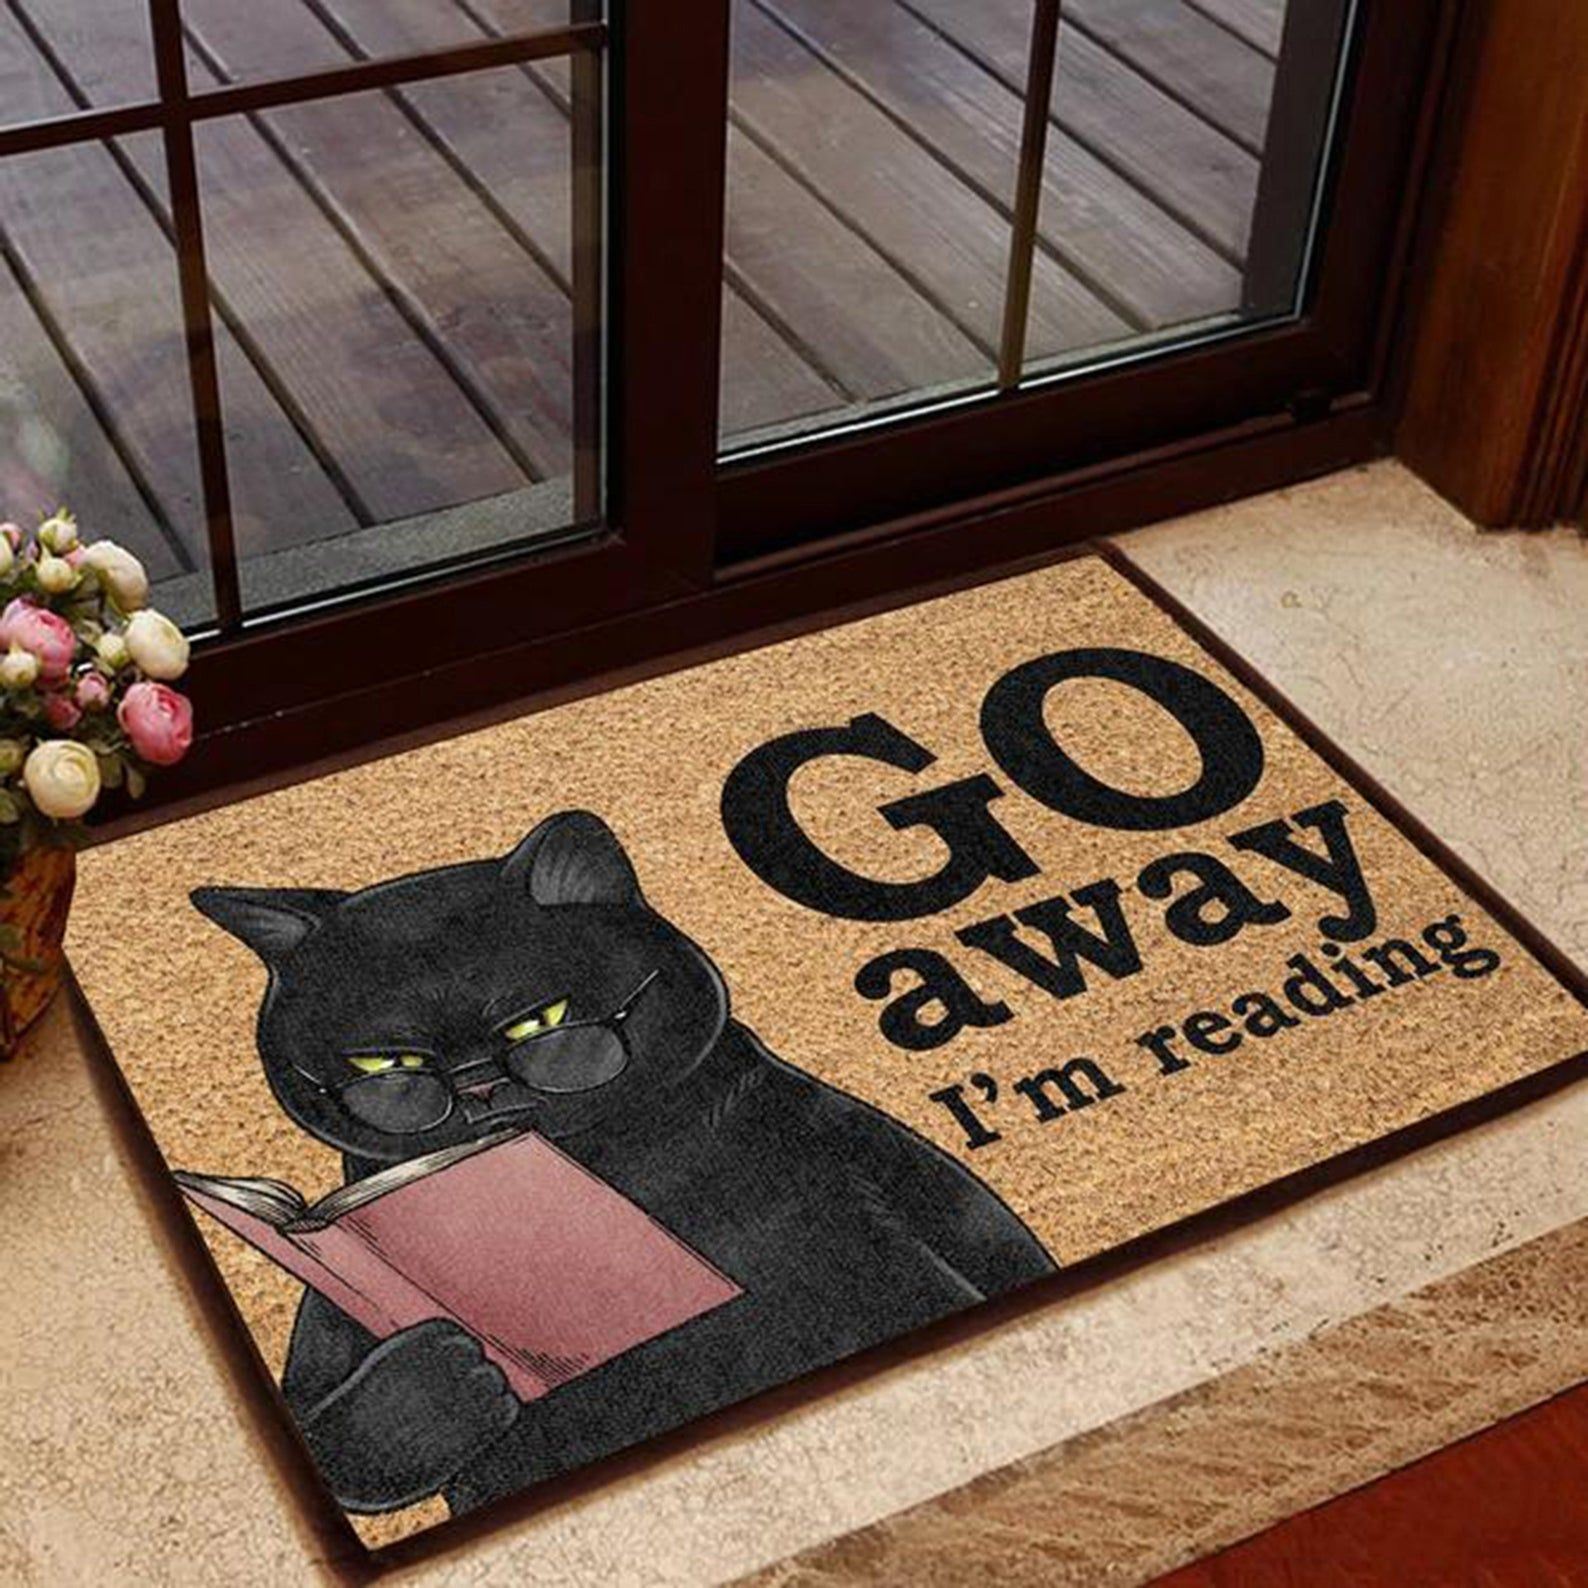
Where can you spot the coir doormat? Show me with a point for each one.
(549, 1088)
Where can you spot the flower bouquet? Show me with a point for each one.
(86, 705)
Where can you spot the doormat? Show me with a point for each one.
(549, 1088)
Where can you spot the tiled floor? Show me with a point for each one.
(1453, 664)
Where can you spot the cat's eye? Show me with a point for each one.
(382, 1063)
(538, 1020)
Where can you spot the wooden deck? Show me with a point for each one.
(390, 272)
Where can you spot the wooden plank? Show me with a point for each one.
(1101, 226)
(765, 381)
(1260, 22)
(504, 321)
(1203, 178)
(932, 227)
(109, 49)
(53, 449)
(865, 322)
(348, 366)
(1206, 67)
(501, 126)
(108, 278)
(525, 16)
(403, 432)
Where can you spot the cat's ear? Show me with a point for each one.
(271, 921)
(572, 858)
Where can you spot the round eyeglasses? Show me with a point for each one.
(575, 1057)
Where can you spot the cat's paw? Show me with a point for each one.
(439, 1373)
(423, 1403)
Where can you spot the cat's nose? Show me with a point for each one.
(483, 1089)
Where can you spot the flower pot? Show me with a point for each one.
(37, 898)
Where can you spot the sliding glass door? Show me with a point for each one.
(430, 351)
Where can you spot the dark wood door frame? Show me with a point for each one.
(1496, 401)
(1298, 124)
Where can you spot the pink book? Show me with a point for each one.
(547, 1266)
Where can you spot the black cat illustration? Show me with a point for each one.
(842, 1227)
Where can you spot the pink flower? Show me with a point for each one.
(61, 712)
(45, 634)
(93, 692)
(158, 721)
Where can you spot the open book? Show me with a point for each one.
(547, 1266)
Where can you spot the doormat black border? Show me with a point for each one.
(339, 1545)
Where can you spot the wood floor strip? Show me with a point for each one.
(1260, 22)
(1205, 67)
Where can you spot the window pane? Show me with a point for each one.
(398, 266)
(57, 56)
(95, 406)
(874, 178)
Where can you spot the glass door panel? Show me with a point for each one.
(929, 200)
(372, 324)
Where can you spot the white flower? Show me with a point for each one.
(18, 668)
(13, 752)
(59, 532)
(56, 574)
(157, 645)
(62, 778)
(111, 650)
(120, 572)
(7, 556)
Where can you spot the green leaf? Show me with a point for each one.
(136, 782)
(10, 807)
(110, 770)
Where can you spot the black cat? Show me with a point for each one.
(842, 1227)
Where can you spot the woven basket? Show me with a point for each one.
(40, 897)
